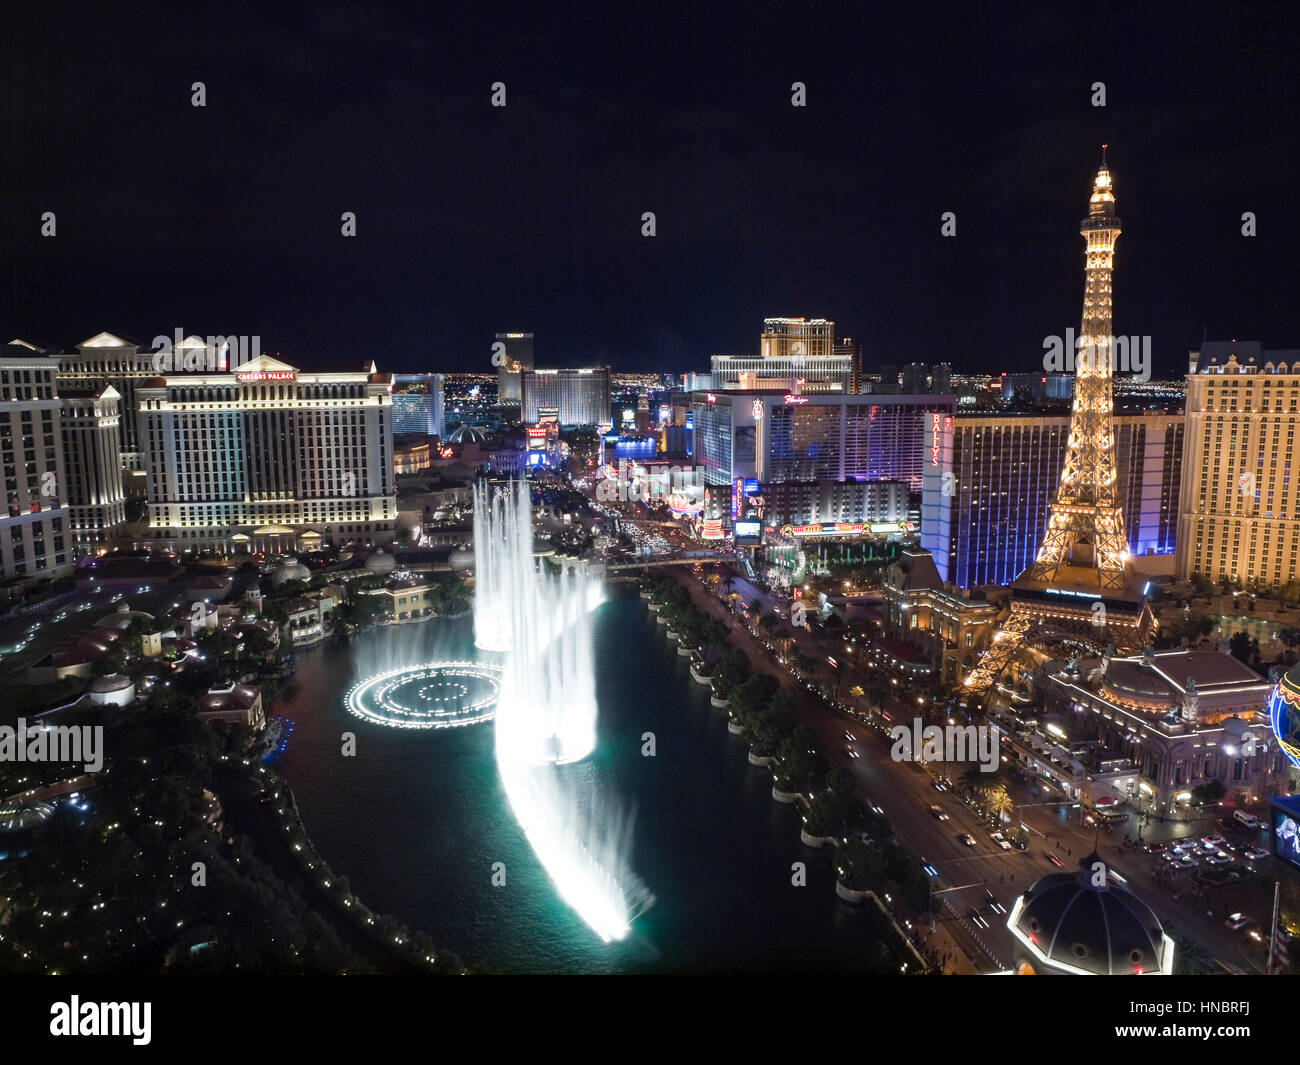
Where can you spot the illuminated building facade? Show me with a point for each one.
(1240, 507)
(1036, 387)
(779, 437)
(268, 459)
(518, 357)
(106, 359)
(1081, 585)
(1156, 726)
(985, 504)
(795, 355)
(92, 447)
(847, 347)
(417, 403)
(812, 502)
(35, 534)
(571, 397)
(921, 610)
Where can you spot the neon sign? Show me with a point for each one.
(265, 375)
(795, 399)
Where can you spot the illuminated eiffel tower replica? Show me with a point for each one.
(1080, 591)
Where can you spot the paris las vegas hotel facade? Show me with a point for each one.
(267, 458)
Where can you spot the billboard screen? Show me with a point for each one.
(748, 532)
(1286, 830)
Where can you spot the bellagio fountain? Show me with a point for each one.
(540, 623)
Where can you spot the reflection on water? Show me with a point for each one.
(417, 819)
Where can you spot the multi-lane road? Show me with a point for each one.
(905, 791)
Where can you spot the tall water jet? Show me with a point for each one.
(546, 717)
(491, 625)
(549, 677)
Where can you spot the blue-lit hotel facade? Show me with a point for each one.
(989, 480)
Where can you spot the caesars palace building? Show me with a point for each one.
(268, 459)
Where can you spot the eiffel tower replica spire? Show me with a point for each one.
(1085, 526)
(1081, 586)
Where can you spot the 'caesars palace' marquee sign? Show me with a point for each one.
(265, 375)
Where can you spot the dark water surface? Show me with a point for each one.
(417, 818)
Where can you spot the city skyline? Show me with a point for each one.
(629, 491)
(768, 207)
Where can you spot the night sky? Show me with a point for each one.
(473, 220)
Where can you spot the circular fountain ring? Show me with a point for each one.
(432, 695)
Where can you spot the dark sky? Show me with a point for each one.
(473, 220)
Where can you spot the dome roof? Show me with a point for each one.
(1072, 926)
(380, 562)
(1139, 681)
(289, 570)
(460, 560)
(113, 682)
(468, 434)
(122, 617)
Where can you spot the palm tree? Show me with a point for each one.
(1190, 958)
(999, 802)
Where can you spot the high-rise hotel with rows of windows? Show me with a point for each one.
(1239, 513)
(269, 459)
(35, 539)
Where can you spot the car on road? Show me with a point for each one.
(929, 869)
(1000, 840)
(1156, 848)
(967, 839)
(1054, 859)
(976, 918)
(1213, 843)
(61, 615)
(848, 735)
(1236, 921)
(852, 751)
(1255, 854)
(937, 785)
(993, 902)
(937, 810)
(1219, 859)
